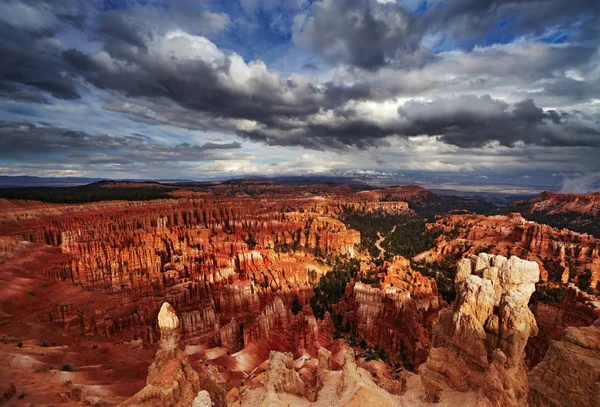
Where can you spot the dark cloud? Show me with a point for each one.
(369, 34)
(118, 30)
(471, 121)
(121, 29)
(466, 121)
(158, 67)
(33, 62)
(363, 33)
(31, 58)
(28, 141)
(206, 83)
(471, 21)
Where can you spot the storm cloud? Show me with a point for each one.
(25, 139)
(32, 58)
(363, 33)
(353, 76)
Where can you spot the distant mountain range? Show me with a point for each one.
(7, 181)
(496, 197)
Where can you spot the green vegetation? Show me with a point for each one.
(584, 280)
(87, 193)
(443, 272)
(546, 294)
(251, 241)
(378, 353)
(295, 305)
(408, 239)
(577, 222)
(332, 286)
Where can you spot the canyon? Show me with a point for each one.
(563, 255)
(247, 293)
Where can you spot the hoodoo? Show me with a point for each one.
(172, 382)
(479, 343)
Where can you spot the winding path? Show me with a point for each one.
(381, 239)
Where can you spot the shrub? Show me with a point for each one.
(332, 286)
(584, 279)
(296, 305)
(68, 367)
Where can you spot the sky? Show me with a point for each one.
(480, 92)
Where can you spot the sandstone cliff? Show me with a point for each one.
(349, 387)
(563, 256)
(575, 309)
(396, 314)
(559, 203)
(578, 212)
(222, 264)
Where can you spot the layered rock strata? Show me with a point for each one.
(575, 309)
(224, 264)
(563, 255)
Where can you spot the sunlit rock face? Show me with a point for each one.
(552, 203)
(212, 284)
(479, 343)
(563, 255)
(222, 262)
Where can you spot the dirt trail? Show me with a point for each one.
(381, 239)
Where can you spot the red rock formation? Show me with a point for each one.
(549, 202)
(282, 376)
(576, 309)
(398, 313)
(230, 264)
(563, 255)
(192, 253)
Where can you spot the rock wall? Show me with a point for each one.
(282, 376)
(563, 255)
(479, 343)
(398, 313)
(223, 263)
(576, 309)
(569, 375)
(552, 203)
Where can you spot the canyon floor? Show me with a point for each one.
(298, 295)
